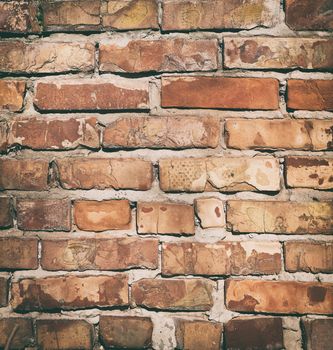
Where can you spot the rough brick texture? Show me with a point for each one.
(318, 333)
(6, 219)
(23, 336)
(3, 291)
(12, 94)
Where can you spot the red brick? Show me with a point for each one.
(318, 333)
(283, 297)
(24, 174)
(225, 258)
(44, 214)
(308, 256)
(164, 55)
(165, 218)
(69, 292)
(197, 335)
(311, 95)
(308, 14)
(126, 332)
(3, 291)
(220, 92)
(64, 334)
(309, 172)
(175, 294)
(18, 253)
(12, 94)
(6, 219)
(99, 254)
(254, 333)
(91, 95)
(46, 56)
(102, 216)
(102, 173)
(23, 336)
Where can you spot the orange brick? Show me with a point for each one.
(12, 94)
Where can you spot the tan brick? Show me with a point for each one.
(254, 333)
(102, 173)
(176, 294)
(24, 174)
(262, 52)
(53, 133)
(225, 258)
(19, 17)
(218, 14)
(94, 94)
(219, 174)
(70, 292)
(102, 216)
(163, 55)
(165, 218)
(6, 219)
(99, 254)
(308, 14)
(280, 217)
(18, 253)
(318, 333)
(162, 132)
(210, 212)
(306, 134)
(3, 291)
(312, 95)
(126, 332)
(44, 214)
(286, 297)
(82, 15)
(3, 135)
(197, 335)
(220, 92)
(12, 94)
(23, 335)
(308, 256)
(128, 14)
(18, 56)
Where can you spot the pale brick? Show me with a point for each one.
(210, 212)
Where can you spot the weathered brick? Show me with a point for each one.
(197, 335)
(24, 174)
(64, 334)
(225, 258)
(102, 216)
(318, 333)
(218, 14)
(23, 336)
(219, 174)
(43, 214)
(101, 173)
(53, 133)
(308, 256)
(128, 14)
(3, 291)
(95, 94)
(19, 17)
(162, 132)
(278, 53)
(210, 212)
(99, 254)
(18, 56)
(6, 219)
(69, 292)
(304, 134)
(312, 95)
(254, 333)
(176, 294)
(280, 217)
(12, 94)
(309, 172)
(164, 55)
(3, 135)
(286, 297)
(308, 14)
(82, 15)
(126, 332)
(165, 218)
(220, 92)
(18, 253)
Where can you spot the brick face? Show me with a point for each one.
(318, 333)
(22, 337)
(6, 219)
(3, 291)
(12, 95)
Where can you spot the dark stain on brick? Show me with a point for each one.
(147, 210)
(316, 294)
(248, 303)
(297, 162)
(250, 51)
(217, 212)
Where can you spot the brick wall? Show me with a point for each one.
(166, 174)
